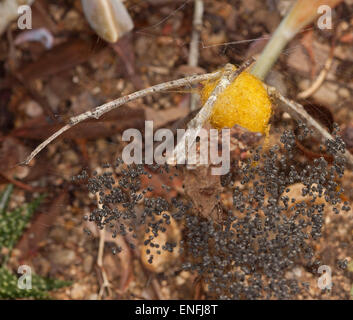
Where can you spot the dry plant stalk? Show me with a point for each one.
(194, 46)
(319, 80)
(105, 284)
(295, 109)
(302, 13)
(100, 110)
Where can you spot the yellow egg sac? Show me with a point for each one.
(244, 102)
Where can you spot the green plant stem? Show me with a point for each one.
(300, 15)
(272, 51)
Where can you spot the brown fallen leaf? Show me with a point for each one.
(40, 16)
(40, 227)
(157, 181)
(124, 48)
(163, 117)
(62, 57)
(203, 188)
(11, 152)
(6, 116)
(116, 121)
(347, 38)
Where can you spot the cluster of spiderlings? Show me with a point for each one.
(267, 232)
(124, 209)
(263, 235)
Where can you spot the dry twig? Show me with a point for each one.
(100, 110)
(319, 80)
(297, 111)
(106, 284)
(194, 46)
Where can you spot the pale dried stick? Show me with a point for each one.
(297, 111)
(318, 82)
(194, 45)
(106, 283)
(229, 75)
(100, 110)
